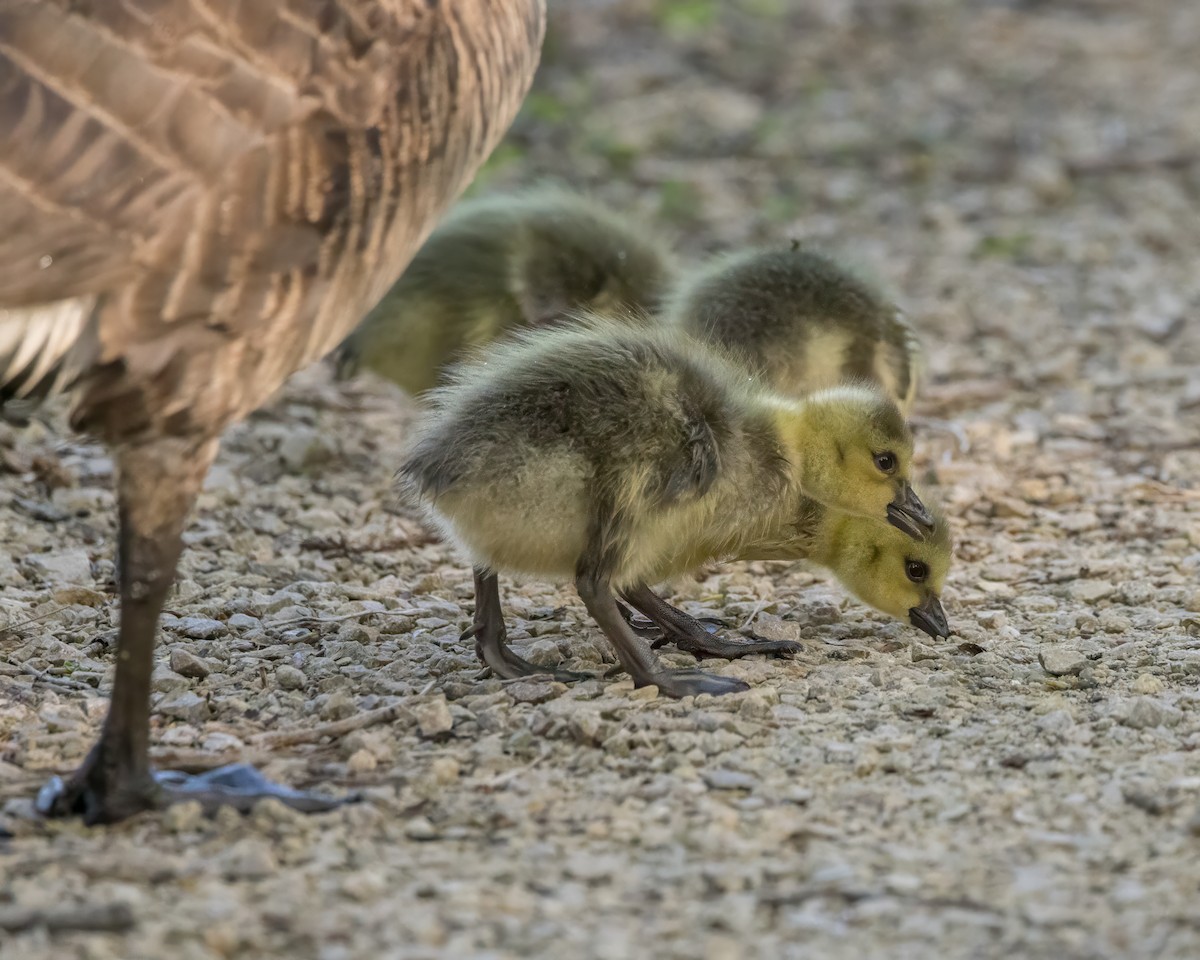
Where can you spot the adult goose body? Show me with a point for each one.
(197, 198)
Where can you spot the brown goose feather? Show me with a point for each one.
(235, 183)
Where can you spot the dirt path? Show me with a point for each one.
(1027, 177)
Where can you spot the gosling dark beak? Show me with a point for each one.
(909, 514)
(930, 617)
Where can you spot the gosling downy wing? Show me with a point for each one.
(528, 442)
(574, 254)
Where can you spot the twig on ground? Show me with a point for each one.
(97, 917)
(338, 728)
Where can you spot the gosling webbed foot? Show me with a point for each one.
(645, 627)
(491, 638)
(695, 636)
(640, 662)
(692, 683)
(498, 658)
(709, 646)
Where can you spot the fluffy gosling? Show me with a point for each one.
(879, 565)
(803, 320)
(500, 263)
(622, 456)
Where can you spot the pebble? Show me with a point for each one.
(199, 628)
(163, 679)
(248, 859)
(724, 779)
(219, 742)
(433, 716)
(183, 817)
(185, 705)
(84, 596)
(759, 703)
(362, 761)
(444, 770)
(338, 706)
(543, 653)
(1089, 591)
(66, 567)
(1146, 714)
(587, 727)
(1061, 663)
(242, 621)
(767, 626)
(187, 664)
(289, 677)
(304, 447)
(992, 619)
(1056, 721)
(535, 691)
(1147, 683)
(419, 828)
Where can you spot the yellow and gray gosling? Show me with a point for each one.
(878, 564)
(500, 263)
(621, 457)
(803, 320)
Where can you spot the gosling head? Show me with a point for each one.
(856, 454)
(891, 571)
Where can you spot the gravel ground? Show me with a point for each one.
(1026, 176)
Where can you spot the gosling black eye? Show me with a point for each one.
(886, 461)
(916, 571)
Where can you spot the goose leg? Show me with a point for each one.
(157, 485)
(640, 662)
(691, 636)
(491, 637)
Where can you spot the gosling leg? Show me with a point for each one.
(639, 661)
(645, 627)
(691, 636)
(491, 637)
(156, 487)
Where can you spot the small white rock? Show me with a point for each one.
(1061, 663)
(1148, 683)
(289, 677)
(433, 716)
(188, 664)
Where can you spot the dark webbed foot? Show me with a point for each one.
(645, 627)
(692, 683)
(102, 790)
(640, 662)
(239, 785)
(694, 636)
(491, 638)
(106, 797)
